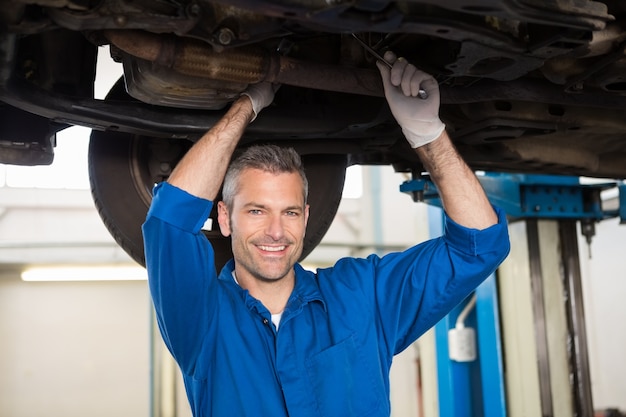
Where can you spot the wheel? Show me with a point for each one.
(123, 168)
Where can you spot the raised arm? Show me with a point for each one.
(201, 171)
(462, 195)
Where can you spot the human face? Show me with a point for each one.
(267, 224)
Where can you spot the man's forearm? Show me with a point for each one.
(201, 171)
(462, 195)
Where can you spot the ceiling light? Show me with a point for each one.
(86, 273)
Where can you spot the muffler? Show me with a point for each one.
(248, 64)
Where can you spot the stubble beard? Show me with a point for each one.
(245, 258)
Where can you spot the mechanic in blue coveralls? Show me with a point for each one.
(263, 336)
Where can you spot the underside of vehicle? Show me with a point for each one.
(535, 86)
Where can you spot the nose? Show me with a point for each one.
(275, 227)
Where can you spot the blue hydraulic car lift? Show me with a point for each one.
(471, 383)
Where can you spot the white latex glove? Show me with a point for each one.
(418, 118)
(261, 95)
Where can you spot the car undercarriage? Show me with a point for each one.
(535, 86)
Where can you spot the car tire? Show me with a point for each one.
(123, 169)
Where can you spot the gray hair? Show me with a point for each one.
(268, 158)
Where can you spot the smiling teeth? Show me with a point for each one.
(272, 248)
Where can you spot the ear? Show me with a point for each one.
(306, 215)
(223, 218)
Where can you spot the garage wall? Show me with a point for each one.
(604, 292)
(73, 349)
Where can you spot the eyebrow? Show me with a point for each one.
(252, 204)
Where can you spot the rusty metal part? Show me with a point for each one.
(246, 64)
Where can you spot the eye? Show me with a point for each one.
(292, 213)
(255, 212)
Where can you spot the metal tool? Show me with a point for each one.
(371, 51)
(421, 93)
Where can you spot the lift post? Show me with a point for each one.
(530, 198)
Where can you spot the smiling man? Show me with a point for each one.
(264, 337)
(264, 210)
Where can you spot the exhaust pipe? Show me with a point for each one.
(247, 64)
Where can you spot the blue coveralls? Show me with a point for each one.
(339, 331)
